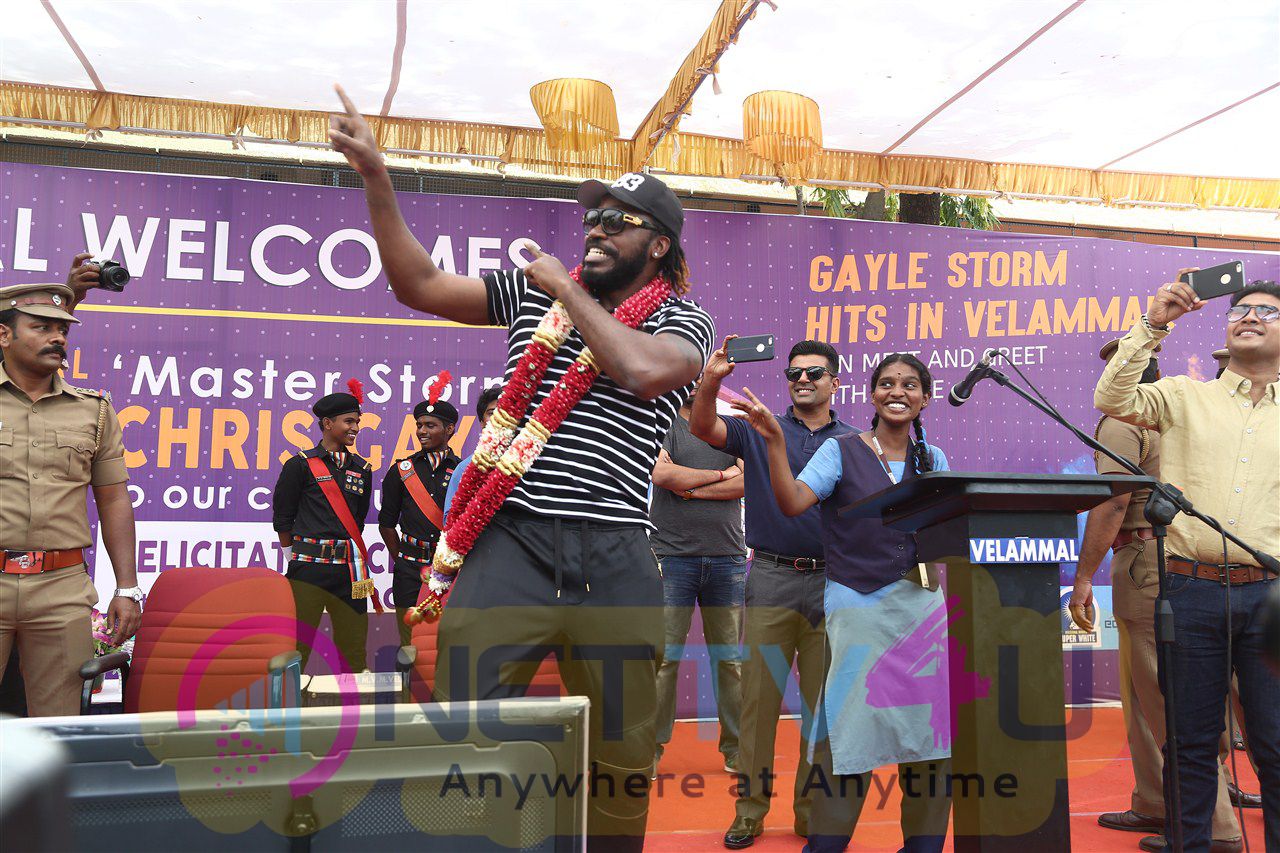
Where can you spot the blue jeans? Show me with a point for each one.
(717, 585)
(1201, 688)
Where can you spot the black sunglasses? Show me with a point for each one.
(612, 221)
(814, 373)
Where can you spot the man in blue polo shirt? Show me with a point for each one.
(786, 579)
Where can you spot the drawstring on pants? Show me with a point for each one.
(557, 560)
(585, 556)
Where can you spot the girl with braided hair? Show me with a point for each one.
(886, 694)
(921, 454)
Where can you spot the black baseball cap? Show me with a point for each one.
(643, 192)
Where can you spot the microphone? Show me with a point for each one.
(959, 394)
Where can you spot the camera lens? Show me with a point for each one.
(112, 276)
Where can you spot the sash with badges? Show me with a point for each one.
(358, 557)
(421, 497)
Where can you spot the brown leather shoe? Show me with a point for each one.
(1131, 821)
(1157, 844)
(1243, 799)
(743, 833)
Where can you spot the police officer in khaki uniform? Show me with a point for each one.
(55, 441)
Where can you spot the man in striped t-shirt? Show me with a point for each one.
(565, 565)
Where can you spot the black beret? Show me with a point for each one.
(332, 405)
(439, 409)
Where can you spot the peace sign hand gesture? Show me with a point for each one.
(757, 416)
(352, 137)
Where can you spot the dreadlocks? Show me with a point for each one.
(674, 268)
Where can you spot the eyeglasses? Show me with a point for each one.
(1264, 313)
(814, 373)
(612, 221)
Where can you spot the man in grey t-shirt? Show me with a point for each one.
(697, 513)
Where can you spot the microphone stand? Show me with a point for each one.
(1163, 505)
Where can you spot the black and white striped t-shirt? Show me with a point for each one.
(599, 462)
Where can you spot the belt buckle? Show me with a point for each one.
(813, 564)
(24, 562)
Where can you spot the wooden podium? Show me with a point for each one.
(1002, 537)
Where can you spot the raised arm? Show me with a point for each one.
(704, 423)
(1120, 392)
(646, 365)
(415, 279)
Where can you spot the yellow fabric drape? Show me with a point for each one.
(696, 66)
(710, 156)
(782, 128)
(578, 115)
(681, 153)
(527, 147)
(23, 100)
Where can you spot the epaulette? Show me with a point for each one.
(364, 463)
(89, 392)
(310, 452)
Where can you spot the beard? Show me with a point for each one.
(625, 271)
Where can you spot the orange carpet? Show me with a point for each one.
(692, 803)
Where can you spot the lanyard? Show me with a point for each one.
(875, 442)
(924, 579)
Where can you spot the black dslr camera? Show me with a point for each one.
(112, 276)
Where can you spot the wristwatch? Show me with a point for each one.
(134, 592)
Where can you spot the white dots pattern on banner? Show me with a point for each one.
(750, 271)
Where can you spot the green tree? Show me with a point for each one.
(920, 208)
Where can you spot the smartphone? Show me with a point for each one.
(750, 348)
(1216, 281)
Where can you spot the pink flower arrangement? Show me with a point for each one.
(100, 629)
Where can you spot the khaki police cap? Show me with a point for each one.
(1222, 356)
(1109, 349)
(39, 300)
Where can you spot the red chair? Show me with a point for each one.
(210, 638)
(421, 658)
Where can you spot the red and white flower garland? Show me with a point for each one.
(503, 455)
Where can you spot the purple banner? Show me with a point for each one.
(251, 299)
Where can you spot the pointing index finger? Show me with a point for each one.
(530, 247)
(346, 102)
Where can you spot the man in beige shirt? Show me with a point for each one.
(1120, 526)
(55, 442)
(1220, 444)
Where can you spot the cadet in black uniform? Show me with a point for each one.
(413, 498)
(328, 566)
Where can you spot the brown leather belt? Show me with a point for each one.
(1124, 537)
(35, 562)
(1237, 573)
